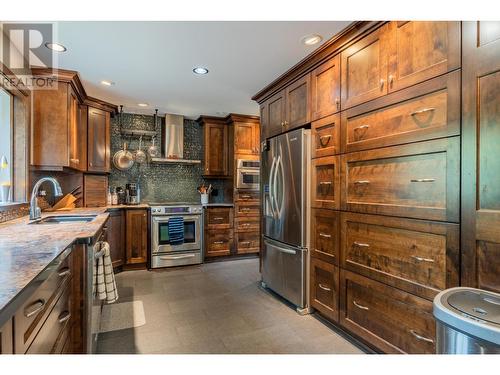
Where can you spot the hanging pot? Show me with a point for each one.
(140, 156)
(123, 159)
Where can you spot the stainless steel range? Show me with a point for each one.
(165, 254)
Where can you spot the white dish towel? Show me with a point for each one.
(105, 278)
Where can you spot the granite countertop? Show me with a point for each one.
(27, 249)
(131, 206)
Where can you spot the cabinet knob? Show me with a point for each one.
(391, 79)
(382, 81)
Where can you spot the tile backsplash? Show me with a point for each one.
(163, 182)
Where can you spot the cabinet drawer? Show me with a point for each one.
(325, 236)
(33, 313)
(247, 224)
(247, 196)
(219, 217)
(247, 242)
(388, 318)
(325, 136)
(53, 329)
(325, 288)
(218, 242)
(420, 180)
(325, 182)
(420, 257)
(426, 111)
(247, 208)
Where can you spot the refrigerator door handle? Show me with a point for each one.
(271, 187)
(281, 249)
(273, 198)
(282, 172)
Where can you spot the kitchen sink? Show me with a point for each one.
(65, 219)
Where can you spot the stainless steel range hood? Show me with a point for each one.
(172, 141)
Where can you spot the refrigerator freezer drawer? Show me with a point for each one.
(284, 271)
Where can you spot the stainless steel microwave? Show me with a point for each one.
(248, 174)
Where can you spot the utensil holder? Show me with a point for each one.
(204, 199)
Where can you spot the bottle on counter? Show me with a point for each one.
(109, 199)
(121, 195)
(114, 198)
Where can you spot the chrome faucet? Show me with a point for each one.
(35, 211)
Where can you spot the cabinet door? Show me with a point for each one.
(216, 150)
(325, 89)
(297, 100)
(245, 138)
(98, 140)
(480, 161)
(364, 69)
(77, 130)
(6, 346)
(264, 123)
(325, 288)
(421, 50)
(276, 114)
(95, 189)
(116, 237)
(137, 236)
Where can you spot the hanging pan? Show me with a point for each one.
(123, 159)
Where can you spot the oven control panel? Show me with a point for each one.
(175, 210)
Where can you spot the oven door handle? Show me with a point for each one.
(175, 257)
(249, 171)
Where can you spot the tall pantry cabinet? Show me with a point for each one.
(405, 125)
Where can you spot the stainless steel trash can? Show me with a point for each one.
(467, 321)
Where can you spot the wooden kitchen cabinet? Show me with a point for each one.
(419, 180)
(325, 235)
(325, 89)
(6, 332)
(325, 182)
(480, 162)
(95, 189)
(297, 102)
(136, 236)
(116, 237)
(98, 140)
(325, 136)
(419, 50)
(246, 138)
(386, 317)
(364, 69)
(218, 242)
(275, 114)
(324, 288)
(216, 146)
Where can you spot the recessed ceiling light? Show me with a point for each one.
(142, 104)
(312, 39)
(200, 70)
(55, 47)
(107, 83)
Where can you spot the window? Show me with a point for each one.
(6, 142)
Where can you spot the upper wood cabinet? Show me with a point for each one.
(98, 140)
(480, 162)
(364, 69)
(297, 102)
(274, 112)
(246, 138)
(216, 143)
(137, 236)
(59, 137)
(325, 89)
(421, 50)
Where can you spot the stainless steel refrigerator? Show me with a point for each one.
(284, 192)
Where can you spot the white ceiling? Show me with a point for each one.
(152, 62)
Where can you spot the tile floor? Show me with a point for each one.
(215, 308)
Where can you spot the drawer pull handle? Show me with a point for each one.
(245, 209)
(64, 272)
(325, 288)
(245, 196)
(218, 242)
(246, 224)
(421, 338)
(423, 180)
(362, 182)
(324, 235)
(245, 243)
(327, 137)
(34, 308)
(76, 161)
(421, 259)
(360, 244)
(325, 182)
(64, 317)
(361, 128)
(360, 306)
(422, 111)
(218, 218)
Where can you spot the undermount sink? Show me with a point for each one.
(65, 219)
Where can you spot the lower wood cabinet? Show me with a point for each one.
(325, 235)
(388, 318)
(247, 242)
(116, 237)
(325, 182)
(6, 331)
(418, 256)
(324, 288)
(137, 236)
(218, 242)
